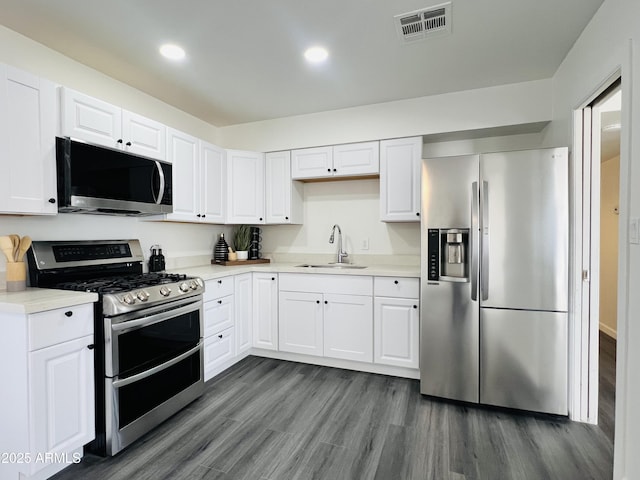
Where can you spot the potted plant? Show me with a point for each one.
(242, 241)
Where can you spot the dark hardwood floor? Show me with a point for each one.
(271, 419)
(607, 385)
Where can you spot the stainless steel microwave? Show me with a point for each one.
(101, 180)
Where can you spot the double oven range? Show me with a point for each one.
(148, 333)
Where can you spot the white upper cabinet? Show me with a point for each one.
(283, 201)
(213, 183)
(245, 187)
(356, 159)
(348, 160)
(312, 162)
(400, 171)
(184, 155)
(101, 123)
(27, 143)
(144, 136)
(198, 179)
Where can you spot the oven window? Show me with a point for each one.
(139, 398)
(147, 347)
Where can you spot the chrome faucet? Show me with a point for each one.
(341, 254)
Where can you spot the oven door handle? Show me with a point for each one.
(159, 368)
(159, 317)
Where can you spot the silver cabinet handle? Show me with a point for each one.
(154, 370)
(484, 245)
(475, 199)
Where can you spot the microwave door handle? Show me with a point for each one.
(158, 198)
(484, 228)
(474, 247)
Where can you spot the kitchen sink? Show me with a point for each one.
(330, 265)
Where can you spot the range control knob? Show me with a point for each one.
(165, 291)
(193, 285)
(184, 287)
(129, 299)
(200, 282)
(143, 295)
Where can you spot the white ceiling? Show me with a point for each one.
(244, 58)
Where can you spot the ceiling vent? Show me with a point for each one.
(424, 23)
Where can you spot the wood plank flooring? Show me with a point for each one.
(607, 385)
(271, 419)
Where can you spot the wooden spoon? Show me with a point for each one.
(6, 245)
(15, 239)
(25, 243)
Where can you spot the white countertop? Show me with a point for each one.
(208, 272)
(33, 300)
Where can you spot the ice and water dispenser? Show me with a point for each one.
(448, 250)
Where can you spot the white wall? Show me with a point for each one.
(609, 42)
(507, 105)
(33, 57)
(609, 217)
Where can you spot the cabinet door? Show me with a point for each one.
(182, 152)
(356, 159)
(213, 183)
(400, 171)
(218, 315)
(219, 350)
(27, 143)
(312, 163)
(245, 183)
(300, 323)
(144, 136)
(90, 119)
(244, 311)
(265, 310)
(283, 200)
(62, 397)
(348, 327)
(395, 331)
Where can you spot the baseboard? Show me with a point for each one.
(609, 331)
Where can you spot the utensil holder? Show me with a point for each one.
(16, 276)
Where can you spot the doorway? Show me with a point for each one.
(601, 124)
(608, 106)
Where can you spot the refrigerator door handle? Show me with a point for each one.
(475, 198)
(484, 244)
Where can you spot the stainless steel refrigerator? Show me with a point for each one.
(494, 290)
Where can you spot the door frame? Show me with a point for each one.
(584, 330)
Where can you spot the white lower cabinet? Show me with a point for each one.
(219, 324)
(244, 312)
(395, 325)
(396, 321)
(300, 323)
(348, 327)
(219, 352)
(47, 409)
(265, 310)
(327, 315)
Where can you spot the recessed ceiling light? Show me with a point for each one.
(316, 54)
(172, 52)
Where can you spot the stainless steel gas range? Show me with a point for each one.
(148, 329)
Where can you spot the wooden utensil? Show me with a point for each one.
(25, 243)
(15, 239)
(6, 245)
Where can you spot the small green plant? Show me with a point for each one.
(242, 238)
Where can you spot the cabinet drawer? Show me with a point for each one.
(219, 349)
(216, 288)
(218, 315)
(61, 325)
(399, 287)
(338, 284)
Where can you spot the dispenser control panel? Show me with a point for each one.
(433, 252)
